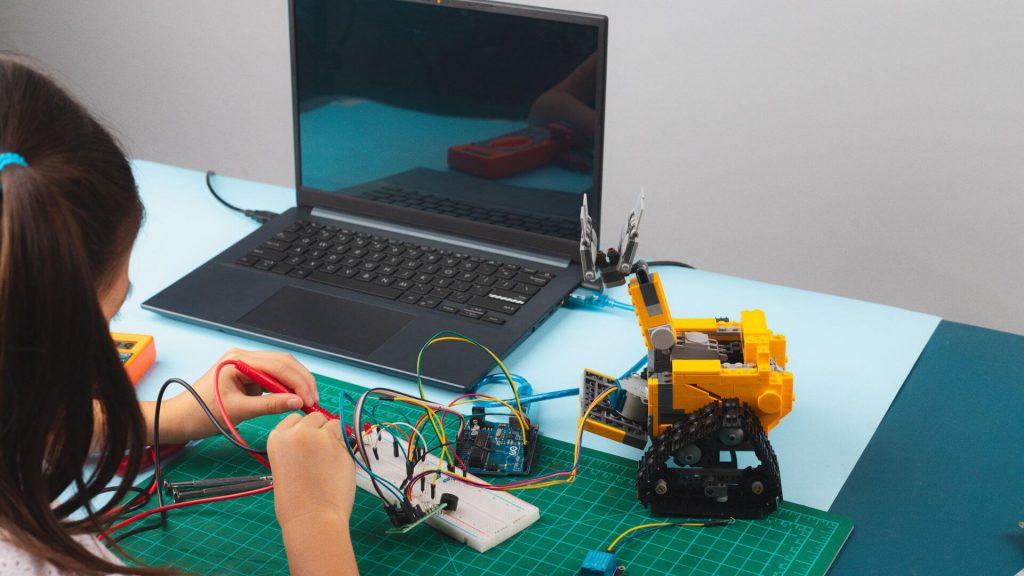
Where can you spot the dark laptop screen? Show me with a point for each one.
(492, 115)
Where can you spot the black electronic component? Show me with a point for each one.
(491, 448)
(451, 501)
(403, 513)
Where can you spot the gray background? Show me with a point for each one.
(867, 148)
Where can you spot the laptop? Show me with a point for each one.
(442, 151)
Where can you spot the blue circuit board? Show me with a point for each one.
(496, 448)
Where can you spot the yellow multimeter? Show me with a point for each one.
(137, 351)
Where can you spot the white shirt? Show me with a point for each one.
(16, 562)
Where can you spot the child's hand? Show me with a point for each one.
(314, 475)
(242, 399)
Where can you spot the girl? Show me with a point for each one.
(70, 215)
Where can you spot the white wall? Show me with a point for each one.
(869, 148)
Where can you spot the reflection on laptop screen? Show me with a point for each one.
(472, 114)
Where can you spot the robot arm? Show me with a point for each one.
(609, 269)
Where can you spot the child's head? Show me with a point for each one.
(67, 224)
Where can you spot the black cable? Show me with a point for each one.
(137, 502)
(158, 466)
(261, 216)
(675, 263)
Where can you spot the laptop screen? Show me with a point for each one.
(481, 114)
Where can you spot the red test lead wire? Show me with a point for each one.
(264, 381)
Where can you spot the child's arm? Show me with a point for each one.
(314, 488)
(181, 419)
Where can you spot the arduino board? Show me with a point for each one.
(491, 448)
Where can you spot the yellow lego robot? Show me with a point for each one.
(711, 390)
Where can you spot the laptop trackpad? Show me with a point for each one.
(326, 321)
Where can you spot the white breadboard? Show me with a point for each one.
(483, 518)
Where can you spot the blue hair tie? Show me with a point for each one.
(11, 158)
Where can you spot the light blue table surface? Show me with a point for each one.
(849, 358)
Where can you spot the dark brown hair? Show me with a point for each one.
(68, 221)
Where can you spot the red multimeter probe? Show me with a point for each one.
(268, 383)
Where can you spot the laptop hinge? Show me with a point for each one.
(445, 238)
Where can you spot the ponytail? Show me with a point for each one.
(67, 221)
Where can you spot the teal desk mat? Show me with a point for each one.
(242, 536)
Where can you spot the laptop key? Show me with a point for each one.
(247, 260)
(494, 319)
(428, 302)
(506, 273)
(494, 304)
(528, 289)
(301, 272)
(410, 298)
(459, 297)
(384, 280)
(348, 271)
(268, 254)
(288, 237)
(366, 276)
(448, 308)
(282, 268)
(514, 297)
(404, 274)
(423, 278)
(353, 284)
(331, 268)
(440, 293)
(295, 260)
(402, 284)
(265, 264)
(421, 289)
(470, 313)
(534, 279)
(479, 290)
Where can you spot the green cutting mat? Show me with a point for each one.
(242, 536)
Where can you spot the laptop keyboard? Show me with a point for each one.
(538, 223)
(418, 275)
